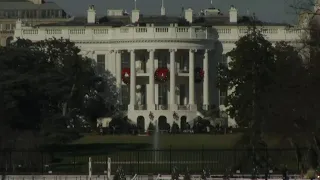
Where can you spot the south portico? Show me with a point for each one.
(173, 109)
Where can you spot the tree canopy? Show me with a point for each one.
(271, 88)
(47, 86)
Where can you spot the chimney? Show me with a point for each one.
(233, 14)
(18, 24)
(36, 1)
(188, 15)
(91, 16)
(135, 15)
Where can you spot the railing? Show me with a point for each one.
(183, 107)
(162, 107)
(183, 70)
(144, 161)
(124, 33)
(140, 107)
(142, 70)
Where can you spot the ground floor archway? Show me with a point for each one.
(162, 123)
(141, 124)
(9, 40)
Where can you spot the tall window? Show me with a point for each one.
(183, 63)
(101, 63)
(163, 95)
(224, 60)
(125, 95)
(222, 92)
(7, 27)
(162, 62)
(143, 60)
(182, 93)
(223, 96)
(43, 14)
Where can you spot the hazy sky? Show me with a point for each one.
(266, 10)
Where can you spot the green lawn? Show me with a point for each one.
(135, 153)
(183, 141)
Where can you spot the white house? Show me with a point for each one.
(165, 67)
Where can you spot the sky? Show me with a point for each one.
(266, 10)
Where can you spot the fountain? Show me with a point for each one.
(155, 137)
(156, 141)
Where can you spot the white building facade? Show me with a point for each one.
(165, 67)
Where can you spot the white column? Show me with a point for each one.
(118, 75)
(191, 79)
(173, 104)
(206, 80)
(132, 79)
(151, 95)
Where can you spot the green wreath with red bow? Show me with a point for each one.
(162, 74)
(125, 75)
(198, 75)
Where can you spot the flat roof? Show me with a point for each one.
(118, 21)
(27, 5)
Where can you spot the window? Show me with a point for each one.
(182, 93)
(59, 13)
(143, 61)
(183, 63)
(223, 96)
(224, 60)
(125, 60)
(101, 64)
(162, 62)
(125, 93)
(7, 27)
(56, 14)
(43, 14)
(163, 95)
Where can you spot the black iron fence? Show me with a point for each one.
(150, 161)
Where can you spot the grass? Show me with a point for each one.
(135, 154)
(166, 141)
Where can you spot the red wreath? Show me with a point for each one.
(198, 75)
(125, 75)
(161, 74)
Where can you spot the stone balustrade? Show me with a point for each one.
(167, 33)
(273, 34)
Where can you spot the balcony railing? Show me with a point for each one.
(124, 33)
(162, 107)
(142, 70)
(183, 107)
(140, 107)
(183, 70)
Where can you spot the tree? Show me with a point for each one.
(120, 124)
(48, 86)
(286, 99)
(247, 76)
(24, 103)
(175, 128)
(80, 84)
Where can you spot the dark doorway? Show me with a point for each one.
(183, 123)
(9, 40)
(141, 124)
(162, 123)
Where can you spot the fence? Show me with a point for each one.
(146, 161)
